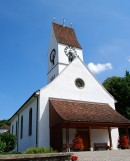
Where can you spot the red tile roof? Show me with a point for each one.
(5, 127)
(78, 111)
(65, 35)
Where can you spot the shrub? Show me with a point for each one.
(123, 142)
(49, 150)
(36, 150)
(78, 143)
(2, 146)
(9, 140)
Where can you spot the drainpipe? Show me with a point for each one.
(18, 134)
(37, 117)
(37, 123)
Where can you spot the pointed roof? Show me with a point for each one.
(89, 112)
(65, 35)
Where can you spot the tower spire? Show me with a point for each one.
(54, 19)
(71, 25)
(63, 21)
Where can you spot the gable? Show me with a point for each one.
(63, 86)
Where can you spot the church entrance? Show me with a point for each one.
(84, 134)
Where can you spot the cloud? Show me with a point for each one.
(129, 59)
(97, 68)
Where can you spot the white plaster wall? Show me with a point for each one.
(61, 67)
(93, 91)
(53, 45)
(100, 136)
(28, 141)
(44, 131)
(115, 137)
(13, 124)
(64, 87)
(52, 69)
(53, 72)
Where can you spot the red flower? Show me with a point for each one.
(78, 143)
(73, 158)
(123, 142)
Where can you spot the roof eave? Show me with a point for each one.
(92, 123)
(35, 94)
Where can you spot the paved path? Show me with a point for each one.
(112, 155)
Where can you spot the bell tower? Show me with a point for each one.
(63, 49)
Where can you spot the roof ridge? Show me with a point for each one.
(61, 25)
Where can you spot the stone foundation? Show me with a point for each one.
(37, 157)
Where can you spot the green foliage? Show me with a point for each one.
(37, 150)
(2, 146)
(4, 122)
(9, 140)
(119, 87)
(49, 150)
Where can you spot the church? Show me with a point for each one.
(73, 102)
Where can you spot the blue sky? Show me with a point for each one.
(102, 28)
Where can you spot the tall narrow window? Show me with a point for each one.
(30, 122)
(12, 129)
(21, 133)
(16, 129)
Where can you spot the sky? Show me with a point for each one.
(102, 28)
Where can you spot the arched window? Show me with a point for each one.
(12, 129)
(30, 122)
(16, 129)
(21, 133)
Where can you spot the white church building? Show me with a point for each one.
(72, 102)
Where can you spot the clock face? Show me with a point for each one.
(70, 53)
(52, 56)
(70, 49)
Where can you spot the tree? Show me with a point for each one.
(9, 140)
(4, 122)
(119, 87)
(2, 146)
